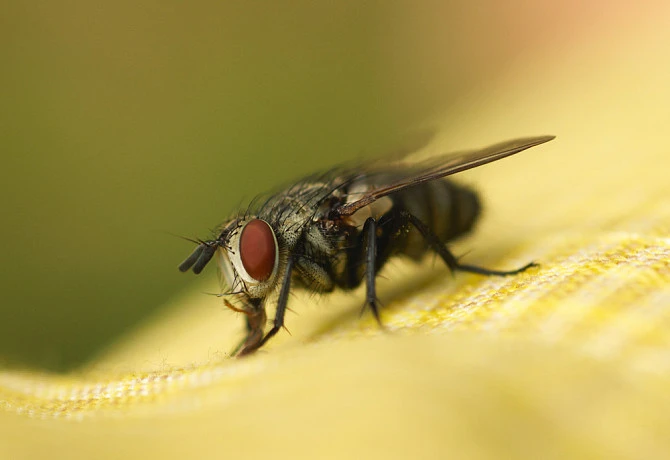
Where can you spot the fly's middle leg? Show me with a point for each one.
(370, 232)
(452, 262)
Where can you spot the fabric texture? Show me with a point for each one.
(569, 359)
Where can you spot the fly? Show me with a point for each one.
(338, 229)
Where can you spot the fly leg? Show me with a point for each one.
(255, 320)
(278, 322)
(370, 232)
(449, 259)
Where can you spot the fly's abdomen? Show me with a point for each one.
(448, 209)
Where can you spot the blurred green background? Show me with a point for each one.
(122, 122)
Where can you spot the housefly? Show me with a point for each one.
(338, 229)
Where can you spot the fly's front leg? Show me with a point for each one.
(449, 259)
(281, 306)
(370, 232)
(256, 318)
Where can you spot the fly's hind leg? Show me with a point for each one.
(449, 259)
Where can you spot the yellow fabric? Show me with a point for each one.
(571, 359)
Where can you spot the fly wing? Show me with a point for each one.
(443, 166)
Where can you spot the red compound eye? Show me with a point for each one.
(258, 249)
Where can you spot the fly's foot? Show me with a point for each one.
(488, 272)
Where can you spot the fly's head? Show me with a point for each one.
(248, 255)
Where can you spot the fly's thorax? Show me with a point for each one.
(290, 228)
(251, 258)
(297, 219)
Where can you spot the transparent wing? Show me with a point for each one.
(443, 166)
